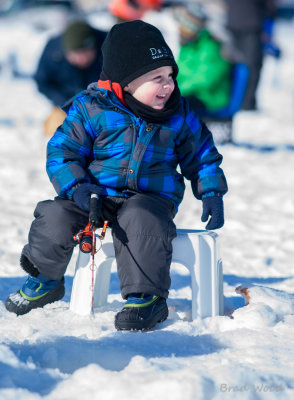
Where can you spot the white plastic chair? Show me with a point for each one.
(194, 249)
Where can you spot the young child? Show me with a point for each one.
(123, 139)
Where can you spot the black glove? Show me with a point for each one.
(82, 195)
(213, 206)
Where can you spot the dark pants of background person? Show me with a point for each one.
(142, 230)
(250, 46)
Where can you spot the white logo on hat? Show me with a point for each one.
(159, 53)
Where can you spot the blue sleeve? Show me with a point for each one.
(69, 152)
(199, 159)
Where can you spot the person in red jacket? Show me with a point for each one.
(129, 10)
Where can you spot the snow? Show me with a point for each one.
(248, 353)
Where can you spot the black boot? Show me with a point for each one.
(141, 312)
(36, 292)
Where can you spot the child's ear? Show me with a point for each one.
(126, 88)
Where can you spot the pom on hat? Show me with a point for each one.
(132, 49)
(79, 35)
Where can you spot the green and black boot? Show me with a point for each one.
(36, 292)
(141, 312)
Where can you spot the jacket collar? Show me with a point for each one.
(113, 87)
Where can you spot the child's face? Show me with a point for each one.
(153, 88)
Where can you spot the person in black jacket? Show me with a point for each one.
(67, 65)
(245, 20)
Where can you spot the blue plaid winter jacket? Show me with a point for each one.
(101, 141)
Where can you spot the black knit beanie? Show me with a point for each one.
(132, 49)
(79, 35)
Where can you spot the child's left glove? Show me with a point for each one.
(214, 206)
(82, 195)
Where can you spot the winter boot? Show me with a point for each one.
(36, 292)
(141, 312)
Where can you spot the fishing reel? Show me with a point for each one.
(87, 237)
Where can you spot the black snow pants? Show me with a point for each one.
(142, 229)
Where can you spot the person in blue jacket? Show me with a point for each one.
(68, 64)
(124, 139)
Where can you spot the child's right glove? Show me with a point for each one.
(82, 195)
(214, 206)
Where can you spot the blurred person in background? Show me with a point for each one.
(129, 10)
(67, 65)
(245, 21)
(205, 71)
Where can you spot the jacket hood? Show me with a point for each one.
(93, 89)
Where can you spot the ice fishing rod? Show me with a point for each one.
(87, 238)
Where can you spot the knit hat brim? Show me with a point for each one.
(148, 68)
